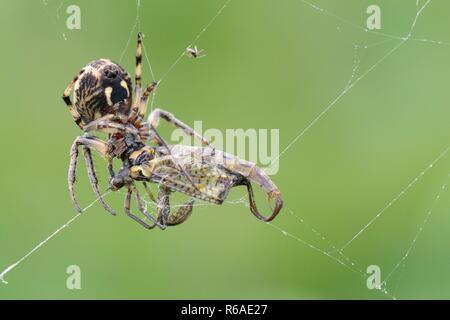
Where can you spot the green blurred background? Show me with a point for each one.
(269, 64)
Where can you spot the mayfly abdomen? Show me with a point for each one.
(207, 181)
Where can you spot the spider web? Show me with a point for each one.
(334, 252)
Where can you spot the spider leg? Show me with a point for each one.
(93, 179)
(111, 168)
(108, 125)
(157, 114)
(164, 215)
(149, 192)
(138, 75)
(90, 142)
(153, 121)
(66, 97)
(132, 216)
(144, 101)
(71, 177)
(142, 208)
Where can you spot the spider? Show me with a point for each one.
(104, 101)
(194, 52)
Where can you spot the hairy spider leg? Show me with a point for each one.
(127, 206)
(138, 75)
(141, 207)
(101, 147)
(157, 114)
(149, 192)
(108, 125)
(93, 179)
(144, 101)
(153, 122)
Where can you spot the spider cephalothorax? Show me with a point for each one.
(106, 102)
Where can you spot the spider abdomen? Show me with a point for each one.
(102, 88)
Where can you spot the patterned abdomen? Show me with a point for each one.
(103, 88)
(212, 183)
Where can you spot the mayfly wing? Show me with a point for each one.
(212, 181)
(180, 168)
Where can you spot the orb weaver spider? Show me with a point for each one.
(105, 102)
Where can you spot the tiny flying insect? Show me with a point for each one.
(194, 52)
(104, 101)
